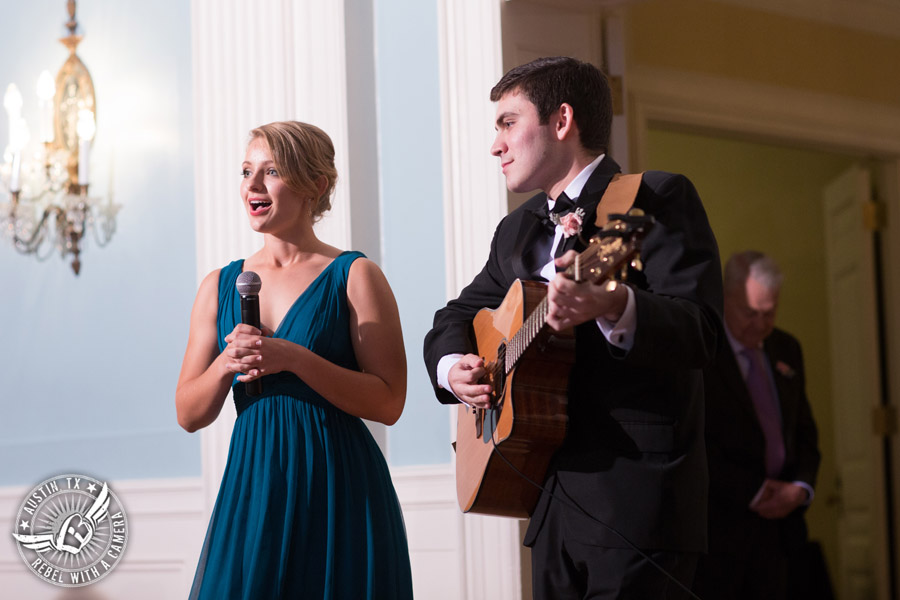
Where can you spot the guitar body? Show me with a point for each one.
(529, 421)
(528, 366)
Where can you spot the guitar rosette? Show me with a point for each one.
(71, 530)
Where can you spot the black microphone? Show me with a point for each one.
(248, 284)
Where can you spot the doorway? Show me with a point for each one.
(769, 196)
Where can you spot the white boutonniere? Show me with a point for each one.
(570, 223)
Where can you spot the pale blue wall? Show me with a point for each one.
(409, 129)
(89, 363)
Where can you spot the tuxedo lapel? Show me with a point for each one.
(781, 383)
(530, 229)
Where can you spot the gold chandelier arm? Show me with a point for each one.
(30, 245)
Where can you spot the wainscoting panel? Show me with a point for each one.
(453, 556)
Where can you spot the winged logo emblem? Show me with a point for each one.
(74, 533)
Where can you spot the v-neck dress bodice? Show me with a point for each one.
(306, 508)
(319, 319)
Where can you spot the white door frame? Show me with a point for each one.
(856, 385)
(474, 202)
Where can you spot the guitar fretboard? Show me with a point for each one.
(595, 264)
(522, 340)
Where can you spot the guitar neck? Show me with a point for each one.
(533, 326)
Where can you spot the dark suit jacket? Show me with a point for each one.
(736, 447)
(633, 455)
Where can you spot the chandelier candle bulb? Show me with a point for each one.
(46, 90)
(84, 151)
(18, 139)
(12, 102)
(14, 184)
(85, 130)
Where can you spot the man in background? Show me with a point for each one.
(761, 442)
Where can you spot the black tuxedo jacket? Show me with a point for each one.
(736, 446)
(633, 456)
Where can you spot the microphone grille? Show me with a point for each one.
(248, 283)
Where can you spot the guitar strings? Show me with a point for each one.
(568, 502)
(611, 254)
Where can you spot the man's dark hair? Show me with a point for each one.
(550, 82)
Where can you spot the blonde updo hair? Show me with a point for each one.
(303, 154)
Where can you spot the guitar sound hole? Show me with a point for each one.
(497, 375)
(491, 418)
(497, 378)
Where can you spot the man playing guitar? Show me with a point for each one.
(625, 492)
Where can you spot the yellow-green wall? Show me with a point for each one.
(769, 198)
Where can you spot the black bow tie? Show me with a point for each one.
(562, 207)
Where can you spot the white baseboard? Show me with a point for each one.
(454, 556)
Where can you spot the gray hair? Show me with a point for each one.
(752, 264)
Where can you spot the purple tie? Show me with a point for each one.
(760, 388)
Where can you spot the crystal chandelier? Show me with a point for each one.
(46, 184)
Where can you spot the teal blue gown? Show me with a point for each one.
(306, 508)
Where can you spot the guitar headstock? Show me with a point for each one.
(613, 248)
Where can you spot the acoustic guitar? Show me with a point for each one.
(528, 365)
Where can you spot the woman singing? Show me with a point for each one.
(306, 507)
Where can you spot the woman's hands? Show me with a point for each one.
(252, 353)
